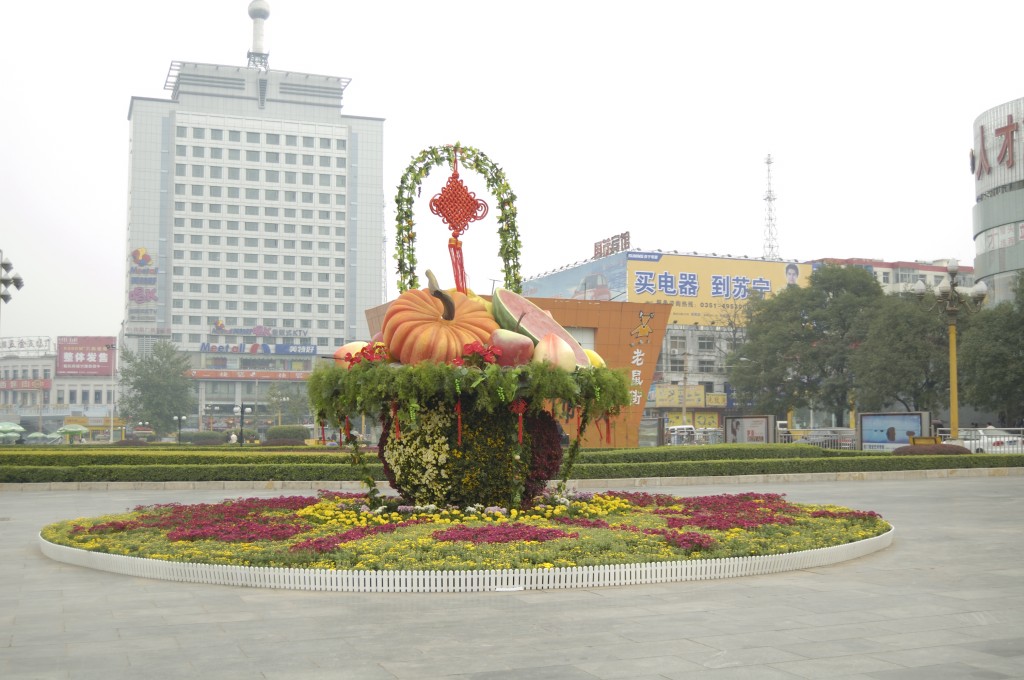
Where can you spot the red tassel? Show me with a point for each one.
(458, 265)
(394, 416)
(608, 428)
(458, 413)
(519, 407)
(348, 429)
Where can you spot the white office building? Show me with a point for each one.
(255, 233)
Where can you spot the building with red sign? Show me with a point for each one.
(997, 163)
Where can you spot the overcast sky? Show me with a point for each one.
(648, 117)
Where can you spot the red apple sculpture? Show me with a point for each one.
(516, 348)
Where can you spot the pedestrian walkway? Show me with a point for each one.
(945, 601)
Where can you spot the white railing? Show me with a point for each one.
(987, 439)
(464, 581)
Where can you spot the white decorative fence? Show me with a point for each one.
(464, 581)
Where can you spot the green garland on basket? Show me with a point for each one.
(497, 184)
(399, 395)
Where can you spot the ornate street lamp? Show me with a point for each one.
(179, 420)
(8, 279)
(949, 300)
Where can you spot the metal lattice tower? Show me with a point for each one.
(771, 240)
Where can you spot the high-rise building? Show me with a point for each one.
(255, 224)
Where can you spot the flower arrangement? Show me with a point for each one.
(469, 430)
(340, 531)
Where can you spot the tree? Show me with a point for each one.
(991, 355)
(800, 342)
(156, 387)
(290, 401)
(903, 358)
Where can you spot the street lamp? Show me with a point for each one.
(949, 300)
(280, 405)
(240, 411)
(7, 279)
(179, 420)
(113, 389)
(211, 411)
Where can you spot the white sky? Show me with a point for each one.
(648, 117)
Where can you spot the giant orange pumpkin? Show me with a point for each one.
(433, 325)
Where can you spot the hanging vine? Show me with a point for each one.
(508, 232)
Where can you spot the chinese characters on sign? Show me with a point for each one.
(78, 355)
(611, 245)
(686, 284)
(25, 346)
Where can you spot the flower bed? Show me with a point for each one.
(338, 531)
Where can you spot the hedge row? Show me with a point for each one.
(717, 452)
(185, 473)
(168, 457)
(287, 471)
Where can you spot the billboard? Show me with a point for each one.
(86, 355)
(602, 279)
(888, 431)
(750, 429)
(697, 289)
(708, 291)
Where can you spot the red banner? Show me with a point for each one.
(78, 355)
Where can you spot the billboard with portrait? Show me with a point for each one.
(750, 429)
(888, 431)
(708, 291)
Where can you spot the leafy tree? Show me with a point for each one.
(156, 387)
(903, 358)
(800, 343)
(291, 401)
(991, 358)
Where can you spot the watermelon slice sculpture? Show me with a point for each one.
(516, 313)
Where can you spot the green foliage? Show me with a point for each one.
(299, 432)
(205, 438)
(903, 360)
(374, 388)
(155, 387)
(991, 354)
(801, 341)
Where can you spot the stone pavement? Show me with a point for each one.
(945, 601)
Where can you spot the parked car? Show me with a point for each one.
(829, 438)
(991, 440)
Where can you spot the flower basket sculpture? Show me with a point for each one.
(467, 390)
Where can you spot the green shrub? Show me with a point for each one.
(297, 433)
(205, 438)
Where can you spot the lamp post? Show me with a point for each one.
(280, 405)
(113, 389)
(179, 420)
(949, 300)
(240, 411)
(7, 279)
(210, 413)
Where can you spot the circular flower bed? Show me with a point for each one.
(339, 531)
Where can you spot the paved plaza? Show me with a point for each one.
(945, 601)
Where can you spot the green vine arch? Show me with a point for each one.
(497, 184)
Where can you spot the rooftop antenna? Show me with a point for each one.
(771, 241)
(259, 58)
